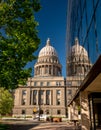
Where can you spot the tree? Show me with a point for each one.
(18, 40)
(6, 101)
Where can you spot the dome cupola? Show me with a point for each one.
(78, 49)
(78, 62)
(48, 63)
(48, 50)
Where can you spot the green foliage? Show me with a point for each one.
(6, 101)
(18, 40)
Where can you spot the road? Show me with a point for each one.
(30, 125)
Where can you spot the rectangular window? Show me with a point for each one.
(23, 112)
(47, 112)
(58, 101)
(58, 112)
(24, 92)
(48, 83)
(41, 92)
(41, 83)
(47, 92)
(42, 101)
(35, 83)
(34, 103)
(58, 92)
(69, 91)
(58, 83)
(35, 92)
(69, 83)
(23, 101)
(47, 101)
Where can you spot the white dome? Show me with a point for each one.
(48, 50)
(78, 49)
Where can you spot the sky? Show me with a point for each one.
(52, 19)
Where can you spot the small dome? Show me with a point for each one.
(78, 49)
(48, 50)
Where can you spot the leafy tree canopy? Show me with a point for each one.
(6, 101)
(18, 40)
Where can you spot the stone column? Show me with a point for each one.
(45, 69)
(37, 97)
(28, 96)
(52, 70)
(55, 70)
(44, 96)
(20, 97)
(85, 118)
(54, 93)
(32, 98)
(48, 69)
(38, 70)
(69, 113)
(75, 110)
(50, 98)
(42, 70)
(62, 97)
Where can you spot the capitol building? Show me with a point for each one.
(48, 92)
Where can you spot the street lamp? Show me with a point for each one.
(65, 86)
(39, 108)
(39, 113)
(34, 111)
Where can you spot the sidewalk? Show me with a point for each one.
(56, 126)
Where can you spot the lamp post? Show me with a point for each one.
(34, 111)
(39, 108)
(65, 87)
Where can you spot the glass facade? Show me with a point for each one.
(84, 22)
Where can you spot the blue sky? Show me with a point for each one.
(52, 20)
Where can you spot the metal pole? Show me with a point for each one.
(39, 103)
(65, 96)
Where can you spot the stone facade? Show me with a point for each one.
(45, 91)
(49, 92)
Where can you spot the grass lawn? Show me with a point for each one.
(4, 127)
